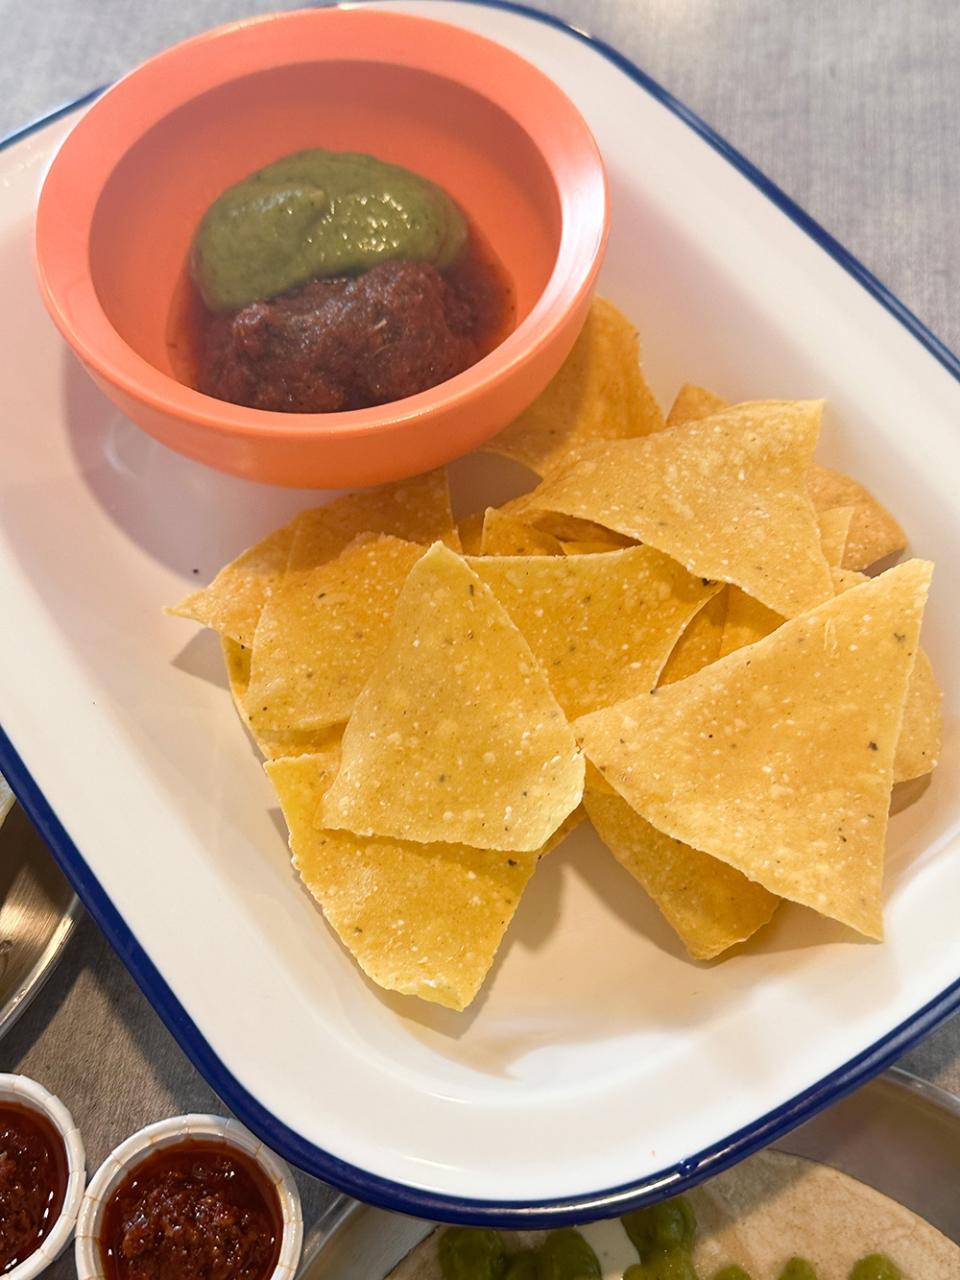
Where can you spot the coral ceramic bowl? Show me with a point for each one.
(128, 187)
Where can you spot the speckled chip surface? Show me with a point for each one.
(457, 736)
(321, 632)
(725, 495)
(601, 626)
(778, 759)
(504, 534)
(599, 393)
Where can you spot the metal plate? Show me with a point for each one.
(898, 1134)
(38, 910)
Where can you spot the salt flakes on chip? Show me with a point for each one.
(710, 905)
(456, 736)
(726, 496)
(321, 632)
(601, 626)
(778, 760)
(599, 393)
(421, 919)
(271, 744)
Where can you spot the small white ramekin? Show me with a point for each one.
(28, 1093)
(169, 1133)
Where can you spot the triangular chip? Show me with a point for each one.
(874, 533)
(921, 734)
(601, 626)
(271, 745)
(746, 621)
(422, 919)
(231, 604)
(587, 548)
(778, 759)
(700, 643)
(599, 393)
(918, 747)
(726, 496)
(456, 733)
(693, 403)
(571, 529)
(834, 525)
(470, 531)
(505, 535)
(710, 905)
(417, 510)
(321, 632)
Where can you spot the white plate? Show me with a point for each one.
(599, 1066)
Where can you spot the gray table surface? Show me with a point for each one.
(852, 106)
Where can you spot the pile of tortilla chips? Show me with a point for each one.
(672, 633)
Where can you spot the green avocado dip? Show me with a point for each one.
(316, 214)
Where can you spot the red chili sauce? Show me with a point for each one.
(33, 1181)
(349, 342)
(200, 1210)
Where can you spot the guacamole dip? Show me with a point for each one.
(773, 1217)
(317, 214)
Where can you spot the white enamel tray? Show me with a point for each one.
(599, 1067)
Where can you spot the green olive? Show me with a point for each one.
(472, 1253)
(660, 1227)
(877, 1266)
(565, 1255)
(522, 1266)
(798, 1269)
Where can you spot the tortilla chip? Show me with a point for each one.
(587, 548)
(779, 758)
(599, 393)
(693, 403)
(601, 626)
(725, 496)
(321, 633)
(918, 747)
(505, 535)
(572, 529)
(834, 530)
(700, 643)
(746, 621)
(417, 510)
(231, 604)
(456, 733)
(874, 533)
(422, 919)
(270, 745)
(470, 531)
(710, 905)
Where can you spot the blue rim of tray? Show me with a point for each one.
(384, 1192)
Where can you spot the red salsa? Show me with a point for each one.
(200, 1210)
(33, 1181)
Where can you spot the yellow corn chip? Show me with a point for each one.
(700, 643)
(587, 548)
(322, 631)
(874, 533)
(270, 745)
(710, 905)
(417, 510)
(456, 733)
(601, 626)
(599, 393)
(232, 602)
(693, 403)
(422, 919)
(470, 531)
(918, 747)
(779, 758)
(505, 535)
(746, 621)
(571, 529)
(725, 496)
(834, 530)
